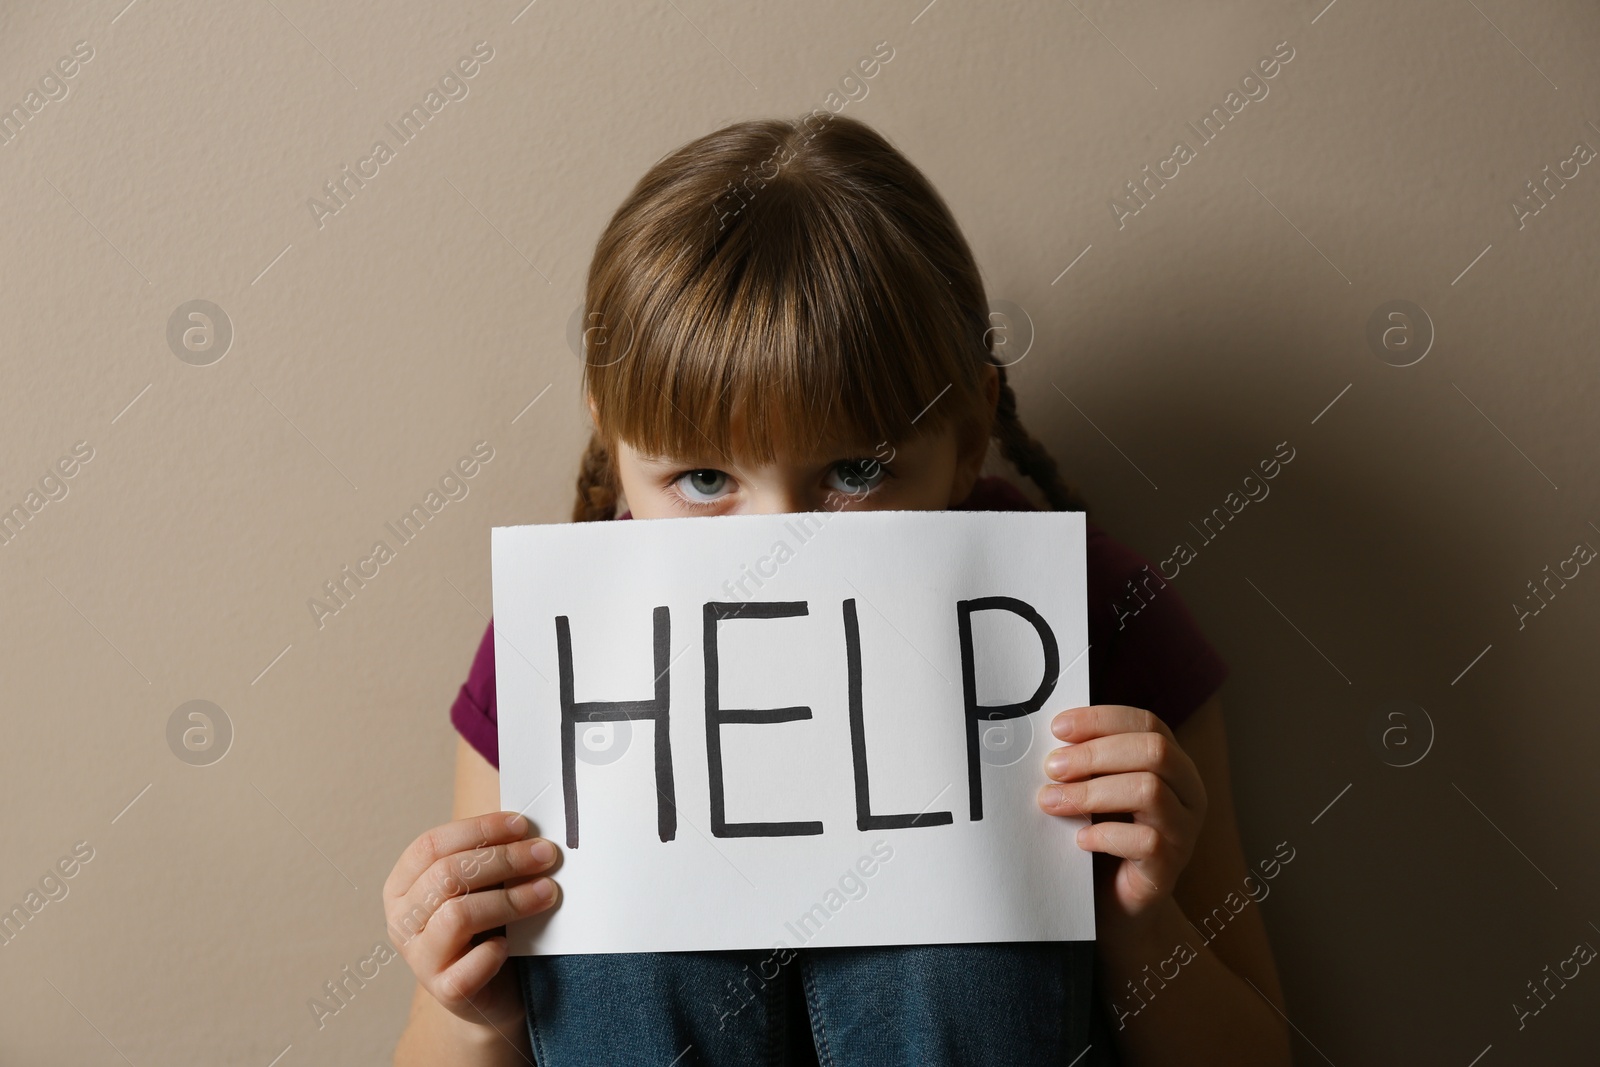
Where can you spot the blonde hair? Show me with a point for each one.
(804, 275)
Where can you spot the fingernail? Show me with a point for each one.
(544, 890)
(1059, 796)
(1056, 765)
(517, 824)
(544, 852)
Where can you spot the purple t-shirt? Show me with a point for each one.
(1145, 649)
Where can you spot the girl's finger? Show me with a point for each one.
(465, 979)
(483, 867)
(1121, 753)
(1125, 840)
(462, 874)
(1153, 862)
(1098, 720)
(459, 836)
(1140, 793)
(442, 942)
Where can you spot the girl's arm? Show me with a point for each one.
(434, 1035)
(1174, 996)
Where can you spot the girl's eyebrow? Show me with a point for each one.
(692, 461)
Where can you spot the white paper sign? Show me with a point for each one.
(803, 729)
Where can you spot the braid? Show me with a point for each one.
(1028, 455)
(597, 493)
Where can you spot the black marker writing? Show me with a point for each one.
(717, 715)
(573, 712)
(969, 683)
(865, 820)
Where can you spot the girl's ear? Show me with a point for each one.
(991, 388)
(972, 445)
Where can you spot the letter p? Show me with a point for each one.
(977, 713)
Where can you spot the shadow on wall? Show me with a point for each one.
(1388, 718)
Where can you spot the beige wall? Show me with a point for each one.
(371, 352)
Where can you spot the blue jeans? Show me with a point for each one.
(1013, 1003)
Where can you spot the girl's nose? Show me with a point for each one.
(782, 499)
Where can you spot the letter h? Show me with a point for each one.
(574, 712)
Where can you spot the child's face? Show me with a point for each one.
(921, 475)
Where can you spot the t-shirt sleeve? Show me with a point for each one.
(474, 713)
(1153, 654)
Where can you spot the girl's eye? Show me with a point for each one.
(692, 483)
(860, 475)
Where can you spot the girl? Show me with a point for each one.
(783, 316)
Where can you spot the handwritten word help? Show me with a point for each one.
(575, 713)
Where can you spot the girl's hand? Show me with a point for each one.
(458, 880)
(1123, 761)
